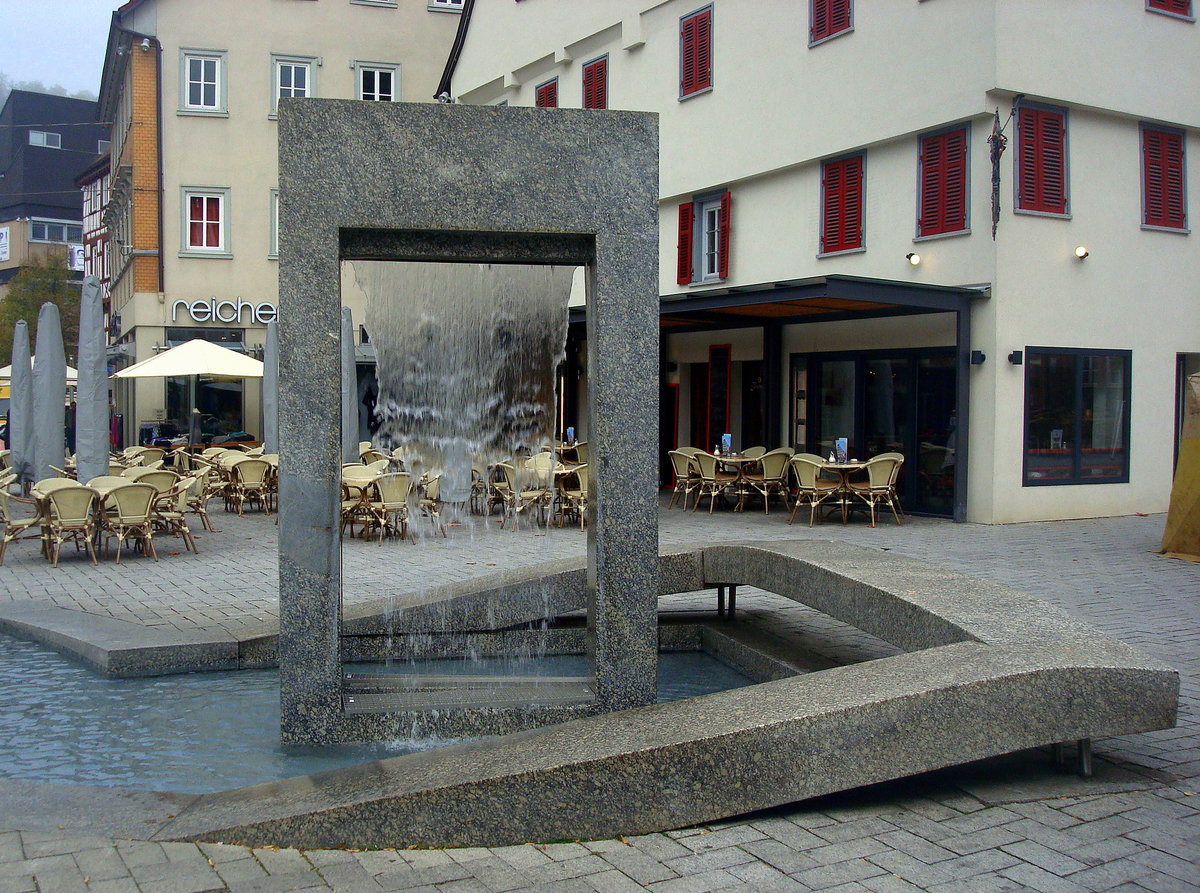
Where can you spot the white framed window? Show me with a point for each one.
(55, 231)
(45, 139)
(377, 81)
(205, 222)
(273, 247)
(446, 5)
(202, 87)
(292, 76)
(709, 213)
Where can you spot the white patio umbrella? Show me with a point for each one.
(6, 371)
(270, 390)
(49, 394)
(20, 407)
(193, 359)
(349, 391)
(91, 397)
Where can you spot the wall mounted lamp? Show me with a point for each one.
(1081, 252)
(913, 258)
(1016, 357)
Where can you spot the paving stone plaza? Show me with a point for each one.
(1008, 824)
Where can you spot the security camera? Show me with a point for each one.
(145, 44)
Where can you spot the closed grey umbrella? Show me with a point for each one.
(20, 406)
(270, 390)
(49, 393)
(349, 391)
(91, 412)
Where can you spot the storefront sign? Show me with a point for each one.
(225, 311)
(3, 243)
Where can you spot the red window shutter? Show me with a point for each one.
(723, 236)
(841, 223)
(684, 273)
(595, 85)
(1162, 179)
(695, 53)
(546, 96)
(943, 183)
(830, 17)
(1041, 141)
(1178, 7)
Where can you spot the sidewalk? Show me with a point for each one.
(1005, 825)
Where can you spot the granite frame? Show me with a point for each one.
(409, 181)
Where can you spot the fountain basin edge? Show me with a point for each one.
(986, 671)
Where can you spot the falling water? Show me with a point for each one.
(466, 357)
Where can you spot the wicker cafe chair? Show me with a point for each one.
(129, 514)
(206, 485)
(150, 455)
(18, 528)
(431, 502)
(389, 504)
(71, 517)
(516, 497)
(772, 477)
(880, 486)
(712, 480)
(171, 509)
(811, 488)
(49, 485)
(687, 476)
(573, 495)
(250, 483)
(160, 478)
(754, 452)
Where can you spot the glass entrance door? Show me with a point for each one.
(883, 402)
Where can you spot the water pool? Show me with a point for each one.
(203, 732)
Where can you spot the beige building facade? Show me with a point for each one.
(192, 90)
(828, 262)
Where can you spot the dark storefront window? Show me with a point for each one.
(219, 399)
(1076, 416)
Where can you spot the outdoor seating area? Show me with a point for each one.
(796, 479)
(147, 492)
(382, 497)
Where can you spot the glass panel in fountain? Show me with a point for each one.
(466, 358)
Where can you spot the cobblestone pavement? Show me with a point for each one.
(1011, 824)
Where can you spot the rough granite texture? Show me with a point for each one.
(999, 672)
(469, 184)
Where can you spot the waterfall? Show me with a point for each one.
(466, 357)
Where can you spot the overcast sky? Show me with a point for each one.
(55, 41)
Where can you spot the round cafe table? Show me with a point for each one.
(738, 464)
(843, 470)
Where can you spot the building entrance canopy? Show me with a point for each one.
(772, 306)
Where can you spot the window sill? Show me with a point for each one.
(208, 255)
(827, 38)
(1028, 212)
(1179, 231)
(703, 90)
(1072, 482)
(385, 3)
(1171, 15)
(931, 237)
(824, 254)
(203, 113)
